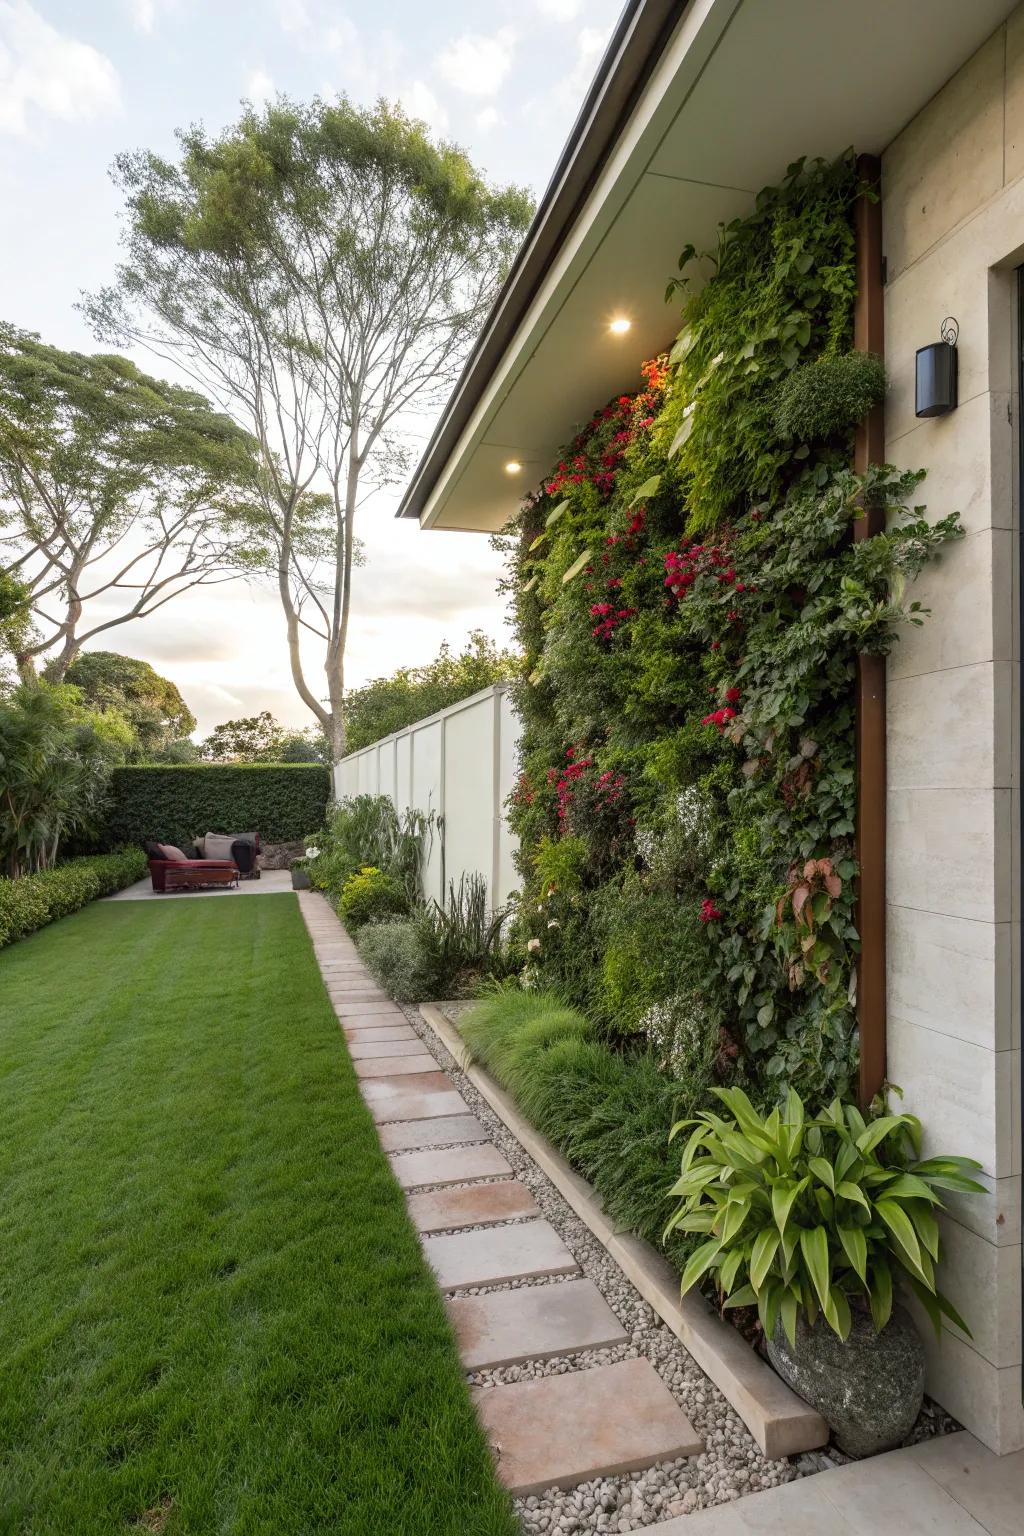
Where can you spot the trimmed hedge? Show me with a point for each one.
(35, 900)
(174, 803)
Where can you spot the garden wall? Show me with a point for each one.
(953, 215)
(460, 763)
(281, 801)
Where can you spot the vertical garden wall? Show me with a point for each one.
(691, 604)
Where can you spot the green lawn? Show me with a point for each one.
(214, 1313)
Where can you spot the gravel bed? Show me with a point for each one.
(731, 1464)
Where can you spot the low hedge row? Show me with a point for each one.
(35, 900)
(176, 803)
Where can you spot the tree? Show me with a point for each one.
(55, 763)
(412, 693)
(116, 490)
(15, 620)
(254, 739)
(151, 704)
(323, 271)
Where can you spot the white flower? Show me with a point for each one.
(554, 923)
(312, 853)
(533, 947)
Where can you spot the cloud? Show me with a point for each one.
(487, 119)
(45, 69)
(590, 45)
(293, 15)
(476, 64)
(259, 88)
(143, 14)
(419, 101)
(559, 10)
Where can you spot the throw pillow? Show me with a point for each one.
(168, 851)
(218, 845)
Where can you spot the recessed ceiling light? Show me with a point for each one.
(513, 467)
(620, 326)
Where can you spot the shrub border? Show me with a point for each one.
(40, 894)
(780, 1421)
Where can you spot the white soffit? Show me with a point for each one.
(743, 88)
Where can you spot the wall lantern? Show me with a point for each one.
(935, 394)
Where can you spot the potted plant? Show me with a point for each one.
(813, 1220)
(300, 870)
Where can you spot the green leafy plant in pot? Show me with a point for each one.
(813, 1220)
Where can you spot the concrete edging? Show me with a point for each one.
(781, 1423)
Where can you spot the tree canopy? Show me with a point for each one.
(151, 704)
(322, 270)
(262, 739)
(118, 491)
(412, 693)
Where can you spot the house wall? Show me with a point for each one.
(953, 216)
(460, 763)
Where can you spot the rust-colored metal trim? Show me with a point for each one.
(869, 448)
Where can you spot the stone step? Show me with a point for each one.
(411, 1135)
(410, 1045)
(379, 1010)
(562, 1430)
(425, 1096)
(396, 1066)
(497, 1254)
(442, 1209)
(449, 1165)
(533, 1323)
(357, 1034)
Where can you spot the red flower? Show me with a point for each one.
(732, 695)
(709, 913)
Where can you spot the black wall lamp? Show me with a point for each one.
(935, 394)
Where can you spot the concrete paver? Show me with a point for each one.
(495, 1254)
(532, 1323)
(449, 1165)
(562, 1430)
(441, 1210)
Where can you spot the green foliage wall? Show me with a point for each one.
(280, 801)
(691, 604)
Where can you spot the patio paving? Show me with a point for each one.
(271, 883)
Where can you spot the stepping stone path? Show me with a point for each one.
(479, 1227)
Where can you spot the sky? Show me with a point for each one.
(79, 82)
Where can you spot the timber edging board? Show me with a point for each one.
(780, 1421)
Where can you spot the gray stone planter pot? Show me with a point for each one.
(300, 880)
(868, 1390)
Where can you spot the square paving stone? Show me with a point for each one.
(407, 1135)
(360, 1050)
(366, 1010)
(422, 1097)
(442, 1209)
(449, 1165)
(534, 1323)
(562, 1430)
(496, 1254)
(396, 1066)
(383, 1033)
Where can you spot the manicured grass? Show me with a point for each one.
(215, 1318)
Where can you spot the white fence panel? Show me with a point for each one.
(461, 763)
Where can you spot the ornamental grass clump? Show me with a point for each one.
(814, 1216)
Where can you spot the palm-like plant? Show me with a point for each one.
(810, 1215)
